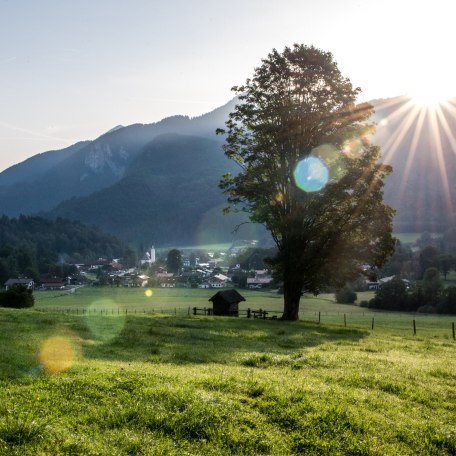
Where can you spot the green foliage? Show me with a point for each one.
(429, 258)
(400, 263)
(446, 263)
(429, 296)
(32, 246)
(253, 258)
(295, 105)
(432, 286)
(239, 278)
(391, 295)
(174, 261)
(18, 297)
(346, 296)
(447, 301)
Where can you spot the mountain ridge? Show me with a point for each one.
(420, 188)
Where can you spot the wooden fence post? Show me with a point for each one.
(454, 335)
(372, 322)
(319, 317)
(345, 321)
(249, 315)
(414, 328)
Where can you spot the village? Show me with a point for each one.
(157, 269)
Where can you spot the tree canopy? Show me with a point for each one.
(31, 246)
(174, 261)
(308, 171)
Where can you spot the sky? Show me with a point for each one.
(71, 70)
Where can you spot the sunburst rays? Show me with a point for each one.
(403, 128)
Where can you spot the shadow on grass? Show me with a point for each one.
(161, 339)
(255, 343)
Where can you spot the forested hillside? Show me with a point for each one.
(169, 195)
(31, 246)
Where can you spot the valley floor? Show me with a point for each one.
(159, 383)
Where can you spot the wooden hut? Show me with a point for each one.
(226, 303)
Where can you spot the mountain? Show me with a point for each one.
(93, 165)
(34, 167)
(167, 195)
(158, 182)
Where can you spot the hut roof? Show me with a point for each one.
(228, 296)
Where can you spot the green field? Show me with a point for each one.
(180, 302)
(107, 383)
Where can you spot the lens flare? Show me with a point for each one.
(105, 319)
(311, 174)
(57, 354)
(353, 148)
(279, 197)
(332, 159)
(148, 293)
(214, 225)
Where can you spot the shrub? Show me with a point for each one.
(432, 285)
(447, 302)
(17, 297)
(346, 296)
(426, 309)
(391, 295)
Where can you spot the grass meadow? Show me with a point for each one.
(78, 378)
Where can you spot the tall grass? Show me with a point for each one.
(164, 384)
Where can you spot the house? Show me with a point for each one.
(380, 282)
(134, 280)
(226, 303)
(52, 283)
(28, 283)
(258, 282)
(262, 279)
(218, 281)
(166, 279)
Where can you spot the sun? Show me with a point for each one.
(430, 98)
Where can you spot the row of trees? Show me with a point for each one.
(428, 296)
(33, 246)
(412, 265)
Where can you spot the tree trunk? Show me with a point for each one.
(292, 289)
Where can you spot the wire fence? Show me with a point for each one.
(437, 325)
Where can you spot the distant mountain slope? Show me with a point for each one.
(420, 145)
(167, 195)
(96, 165)
(142, 182)
(36, 166)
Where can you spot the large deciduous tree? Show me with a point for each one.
(308, 171)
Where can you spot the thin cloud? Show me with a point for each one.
(33, 133)
(8, 60)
